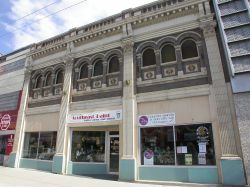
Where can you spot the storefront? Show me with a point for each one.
(94, 142)
(7, 133)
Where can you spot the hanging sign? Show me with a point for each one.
(95, 117)
(164, 119)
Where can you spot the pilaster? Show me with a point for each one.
(59, 160)
(20, 124)
(127, 162)
(223, 116)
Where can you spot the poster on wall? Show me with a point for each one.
(202, 158)
(188, 159)
(8, 120)
(148, 157)
(95, 116)
(156, 119)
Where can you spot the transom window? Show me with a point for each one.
(149, 57)
(189, 49)
(168, 53)
(113, 64)
(98, 68)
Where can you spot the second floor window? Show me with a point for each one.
(84, 71)
(168, 53)
(48, 79)
(38, 83)
(189, 49)
(113, 65)
(59, 77)
(98, 68)
(148, 57)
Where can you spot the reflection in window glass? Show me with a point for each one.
(157, 146)
(189, 49)
(197, 141)
(148, 57)
(30, 145)
(88, 146)
(39, 145)
(47, 144)
(168, 53)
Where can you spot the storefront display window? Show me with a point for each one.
(88, 146)
(39, 145)
(177, 145)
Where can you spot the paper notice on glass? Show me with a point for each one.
(148, 157)
(181, 149)
(202, 147)
(188, 159)
(202, 158)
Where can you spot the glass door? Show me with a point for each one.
(114, 154)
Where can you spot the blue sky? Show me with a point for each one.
(16, 34)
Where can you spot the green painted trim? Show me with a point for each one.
(205, 175)
(12, 159)
(127, 170)
(57, 164)
(232, 172)
(84, 168)
(43, 165)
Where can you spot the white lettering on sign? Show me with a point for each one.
(156, 119)
(95, 117)
(5, 122)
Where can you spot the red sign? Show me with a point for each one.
(10, 141)
(8, 120)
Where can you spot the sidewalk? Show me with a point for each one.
(18, 177)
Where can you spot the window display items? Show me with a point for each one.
(88, 146)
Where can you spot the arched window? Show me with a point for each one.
(98, 68)
(189, 49)
(59, 77)
(48, 79)
(168, 53)
(148, 57)
(38, 83)
(114, 65)
(84, 71)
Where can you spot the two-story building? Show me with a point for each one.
(141, 93)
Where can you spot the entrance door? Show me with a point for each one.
(114, 154)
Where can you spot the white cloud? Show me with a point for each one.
(82, 14)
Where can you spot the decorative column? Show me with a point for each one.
(20, 124)
(59, 160)
(158, 64)
(139, 65)
(104, 73)
(90, 67)
(231, 164)
(129, 108)
(179, 60)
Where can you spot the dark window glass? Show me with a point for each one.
(48, 79)
(59, 77)
(189, 49)
(157, 146)
(39, 145)
(149, 57)
(38, 81)
(88, 146)
(30, 145)
(114, 65)
(98, 68)
(168, 53)
(197, 141)
(84, 71)
(47, 145)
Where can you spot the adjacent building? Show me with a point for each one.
(141, 93)
(11, 83)
(234, 28)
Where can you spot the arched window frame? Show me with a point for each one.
(148, 48)
(56, 79)
(197, 50)
(80, 70)
(164, 45)
(108, 71)
(46, 78)
(39, 76)
(94, 67)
